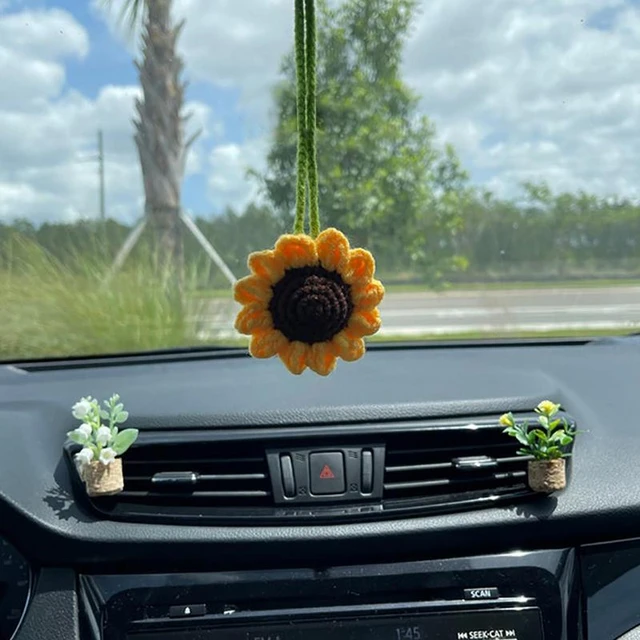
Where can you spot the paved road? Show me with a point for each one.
(413, 314)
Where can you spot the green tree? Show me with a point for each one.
(377, 159)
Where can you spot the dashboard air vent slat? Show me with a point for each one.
(194, 494)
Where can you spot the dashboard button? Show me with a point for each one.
(367, 471)
(187, 610)
(288, 479)
(327, 473)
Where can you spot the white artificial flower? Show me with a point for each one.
(84, 457)
(83, 432)
(107, 455)
(81, 408)
(103, 436)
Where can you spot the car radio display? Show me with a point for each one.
(521, 624)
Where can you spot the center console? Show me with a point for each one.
(519, 596)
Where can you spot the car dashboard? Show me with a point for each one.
(262, 505)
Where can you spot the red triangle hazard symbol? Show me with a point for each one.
(326, 473)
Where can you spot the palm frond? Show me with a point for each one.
(131, 13)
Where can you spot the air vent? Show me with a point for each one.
(230, 476)
(460, 463)
(192, 480)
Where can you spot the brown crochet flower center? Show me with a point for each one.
(310, 304)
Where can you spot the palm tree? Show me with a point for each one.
(159, 129)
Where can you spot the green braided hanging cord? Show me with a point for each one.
(301, 106)
(312, 161)
(307, 179)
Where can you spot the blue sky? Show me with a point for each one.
(546, 90)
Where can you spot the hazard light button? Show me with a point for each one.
(327, 473)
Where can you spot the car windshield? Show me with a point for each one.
(483, 152)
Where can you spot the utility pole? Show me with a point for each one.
(101, 174)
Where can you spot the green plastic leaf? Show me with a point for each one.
(104, 414)
(76, 437)
(122, 417)
(561, 437)
(518, 433)
(124, 440)
(536, 436)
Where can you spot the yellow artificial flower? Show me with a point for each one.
(548, 408)
(506, 420)
(309, 301)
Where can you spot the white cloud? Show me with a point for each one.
(48, 132)
(236, 44)
(228, 181)
(555, 94)
(53, 33)
(31, 45)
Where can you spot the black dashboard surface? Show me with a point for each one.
(596, 382)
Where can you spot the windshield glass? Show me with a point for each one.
(484, 152)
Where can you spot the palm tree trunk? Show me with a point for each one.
(160, 137)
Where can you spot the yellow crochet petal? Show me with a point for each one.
(322, 358)
(348, 347)
(296, 250)
(364, 323)
(265, 344)
(252, 318)
(360, 267)
(267, 265)
(368, 296)
(294, 356)
(333, 249)
(252, 289)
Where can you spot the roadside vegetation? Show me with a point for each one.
(50, 308)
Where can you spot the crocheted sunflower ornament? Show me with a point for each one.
(311, 299)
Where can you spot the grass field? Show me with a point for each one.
(49, 309)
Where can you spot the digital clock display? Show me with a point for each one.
(523, 624)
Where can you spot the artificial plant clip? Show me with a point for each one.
(545, 442)
(311, 299)
(98, 462)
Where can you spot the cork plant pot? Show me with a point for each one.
(547, 476)
(103, 479)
